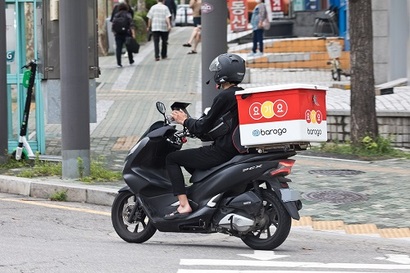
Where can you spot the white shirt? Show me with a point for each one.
(158, 14)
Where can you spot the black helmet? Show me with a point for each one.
(228, 68)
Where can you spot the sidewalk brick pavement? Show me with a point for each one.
(126, 107)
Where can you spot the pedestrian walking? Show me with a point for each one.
(259, 14)
(115, 9)
(195, 5)
(194, 40)
(172, 8)
(122, 26)
(159, 22)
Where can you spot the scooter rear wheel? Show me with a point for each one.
(276, 227)
(129, 219)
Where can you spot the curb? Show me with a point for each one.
(44, 189)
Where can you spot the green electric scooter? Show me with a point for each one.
(28, 82)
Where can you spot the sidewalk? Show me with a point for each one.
(346, 196)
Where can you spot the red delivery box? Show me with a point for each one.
(289, 113)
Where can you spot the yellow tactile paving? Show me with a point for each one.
(341, 86)
(315, 48)
(328, 225)
(361, 229)
(370, 229)
(125, 143)
(303, 221)
(394, 232)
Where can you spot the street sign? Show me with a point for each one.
(10, 56)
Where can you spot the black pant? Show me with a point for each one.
(257, 38)
(164, 38)
(200, 158)
(119, 43)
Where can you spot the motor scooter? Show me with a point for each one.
(248, 197)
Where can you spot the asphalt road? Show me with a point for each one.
(42, 236)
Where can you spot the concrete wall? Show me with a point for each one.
(394, 125)
(390, 35)
(380, 40)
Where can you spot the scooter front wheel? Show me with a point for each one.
(274, 227)
(129, 219)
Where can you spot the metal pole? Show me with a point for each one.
(408, 44)
(214, 15)
(75, 110)
(3, 84)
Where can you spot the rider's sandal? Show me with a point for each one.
(176, 215)
(192, 52)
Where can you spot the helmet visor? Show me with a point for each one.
(215, 66)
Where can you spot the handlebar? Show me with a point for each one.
(178, 138)
(31, 64)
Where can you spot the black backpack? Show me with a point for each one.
(121, 23)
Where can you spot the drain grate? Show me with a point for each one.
(341, 172)
(335, 196)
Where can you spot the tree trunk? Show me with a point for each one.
(141, 5)
(363, 99)
(103, 13)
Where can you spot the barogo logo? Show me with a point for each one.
(315, 132)
(261, 132)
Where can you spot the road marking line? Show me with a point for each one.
(215, 262)
(264, 271)
(55, 206)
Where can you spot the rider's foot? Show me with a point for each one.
(181, 212)
(176, 215)
(184, 209)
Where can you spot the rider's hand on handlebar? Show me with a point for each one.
(179, 116)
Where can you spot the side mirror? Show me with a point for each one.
(161, 107)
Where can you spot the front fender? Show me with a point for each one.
(126, 188)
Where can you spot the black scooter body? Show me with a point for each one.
(144, 173)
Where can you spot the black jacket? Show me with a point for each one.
(115, 10)
(223, 103)
(172, 7)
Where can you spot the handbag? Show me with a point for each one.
(149, 35)
(266, 24)
(132, 45)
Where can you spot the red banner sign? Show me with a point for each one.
(238, 15)
(276, 5)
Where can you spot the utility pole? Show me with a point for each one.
(75, 109)
(214, 14)
(3, 85)
(408, 44)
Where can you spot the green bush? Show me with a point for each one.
(100, 173)
(59, 196)
(140, 29)
(370, 148)
(40, 168)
